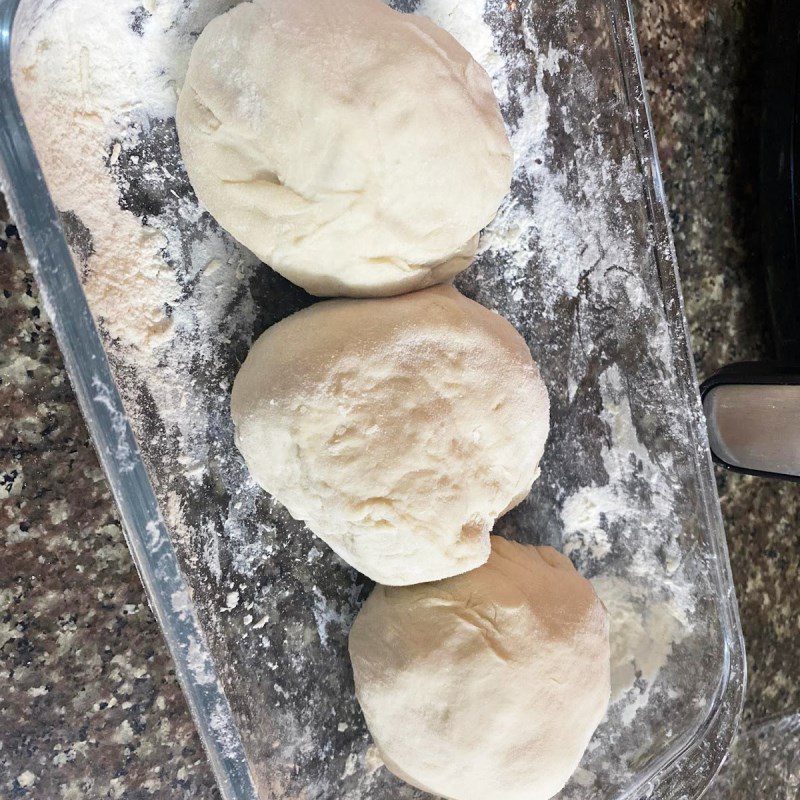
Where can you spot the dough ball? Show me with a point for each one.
(357, 150)
(486, 686)
(398, 429)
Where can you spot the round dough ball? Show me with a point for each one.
(486, 686)
(398, 429)
(357, 150)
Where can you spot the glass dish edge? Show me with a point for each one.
(690, 765)
(692, 761)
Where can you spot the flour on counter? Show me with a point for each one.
(80, 114)
(589, 513)
(92, 84)
(593, 516)
(463, 20)
(644, 625)
(642, 637)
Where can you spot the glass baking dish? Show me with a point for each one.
(255, 611)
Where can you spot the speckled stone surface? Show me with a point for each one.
(89, 705)
(702, 61)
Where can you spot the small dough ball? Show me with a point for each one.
(489, 685)
(357, 150)
(398, 429)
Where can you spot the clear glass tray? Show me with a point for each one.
(254, 609)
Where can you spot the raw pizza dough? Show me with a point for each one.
(489, 685)
(398, 429)
(357, 150)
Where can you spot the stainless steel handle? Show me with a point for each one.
(753, 415)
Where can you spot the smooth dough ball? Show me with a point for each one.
(357, 150)
(489, 685)
(398, 429)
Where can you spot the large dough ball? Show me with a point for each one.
(486, 686)
(357, 150)
(399, 429)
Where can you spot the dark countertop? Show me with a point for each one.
(702, 62)
(89, 704)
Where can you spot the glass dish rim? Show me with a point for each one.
(146, 534)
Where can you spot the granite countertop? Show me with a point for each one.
(89, 703)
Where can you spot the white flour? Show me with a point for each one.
(79, 129)
(642, 636)
(643, 630)
(93, 77)
(82, 116)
